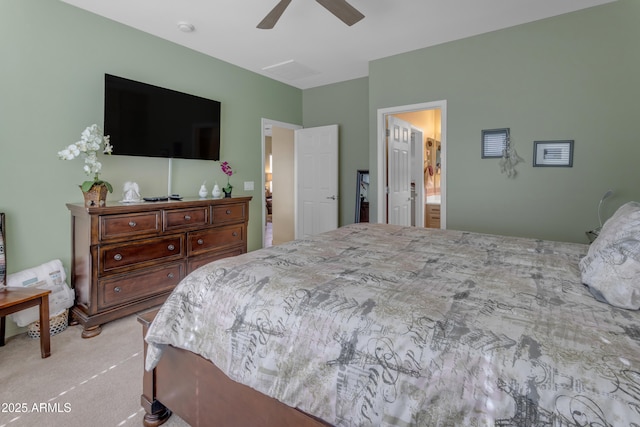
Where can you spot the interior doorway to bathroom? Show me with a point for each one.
(426, 160)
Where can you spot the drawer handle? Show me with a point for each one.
(234, 234)
(171, 247)
(117, 257)
(187, 217)
(117, 289)
(200, 241)
(170, 275)
(228, 211)
(132, 224)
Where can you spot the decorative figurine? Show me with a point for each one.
(130, 192)
(216, 193)
(203, 191)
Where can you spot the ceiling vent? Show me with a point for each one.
(290, 70)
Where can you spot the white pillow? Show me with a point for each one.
(611, 268)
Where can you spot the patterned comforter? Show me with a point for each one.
(383, 325)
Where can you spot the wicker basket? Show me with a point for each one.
(57, 324)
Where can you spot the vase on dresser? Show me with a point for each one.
(96, 196)
(227, 189)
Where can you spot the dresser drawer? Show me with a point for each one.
(176, 219)
(197, 262)
(229, 213)
(115, 257)
(208, 240)
(129, 225)
(148, 282)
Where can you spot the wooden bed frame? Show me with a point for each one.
(197, 391)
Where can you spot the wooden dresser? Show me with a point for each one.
(128, 257)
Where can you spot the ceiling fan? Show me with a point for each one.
(340, 8)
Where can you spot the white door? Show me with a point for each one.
(316, 164)
(399, 177)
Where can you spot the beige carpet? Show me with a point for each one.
(85, 382)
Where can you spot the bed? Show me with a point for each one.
(382, 325)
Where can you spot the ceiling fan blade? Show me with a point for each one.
(343, 10)
(272, 17)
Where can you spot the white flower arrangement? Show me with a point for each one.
(90, 143)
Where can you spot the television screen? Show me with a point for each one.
(147, 120)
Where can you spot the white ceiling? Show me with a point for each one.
(315, 47)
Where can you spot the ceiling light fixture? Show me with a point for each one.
(186, 27)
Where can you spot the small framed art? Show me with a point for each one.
(553, 153)
(494, 142)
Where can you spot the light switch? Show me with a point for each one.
(248, 186)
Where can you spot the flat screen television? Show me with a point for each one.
(150, 121)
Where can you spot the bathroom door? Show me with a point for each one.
(399, 175)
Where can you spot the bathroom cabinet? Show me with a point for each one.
(432, 216)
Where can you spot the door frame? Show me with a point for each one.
(266, 125)
(382, 155)
(418, 175)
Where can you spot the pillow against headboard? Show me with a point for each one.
(611, 268)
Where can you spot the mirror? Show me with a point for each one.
(362, 196)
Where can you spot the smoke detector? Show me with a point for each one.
(186, 27)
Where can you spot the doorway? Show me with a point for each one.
(267, 177)
(436, 134)
(300, 181)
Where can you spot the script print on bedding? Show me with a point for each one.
(382, 325)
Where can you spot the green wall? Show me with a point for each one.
(344, 104)
(52, 88)
(54, 57)
(569, 77)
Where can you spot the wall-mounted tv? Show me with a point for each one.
(147, 120)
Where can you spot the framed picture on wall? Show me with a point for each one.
(494, 142)
(553, 153)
